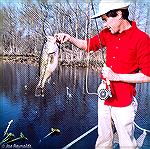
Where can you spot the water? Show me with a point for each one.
(73, 115)
(35, 116)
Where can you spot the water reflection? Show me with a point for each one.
(73, 115)
(35, 116)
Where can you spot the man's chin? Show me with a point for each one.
(113, 32)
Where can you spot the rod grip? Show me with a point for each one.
(107, 81)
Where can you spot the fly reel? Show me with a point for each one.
(103, 92)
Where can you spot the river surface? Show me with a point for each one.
(72, 111)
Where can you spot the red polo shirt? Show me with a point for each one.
(127, 53)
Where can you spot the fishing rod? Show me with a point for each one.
(104, 89)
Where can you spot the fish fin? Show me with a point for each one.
(39, 92)
(48, 80)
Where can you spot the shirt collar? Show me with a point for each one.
(133, 26)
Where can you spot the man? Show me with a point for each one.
(128, 63)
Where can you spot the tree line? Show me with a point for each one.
(25, 25)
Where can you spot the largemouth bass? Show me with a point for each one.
(48, 63)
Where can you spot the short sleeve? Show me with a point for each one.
(143, 55)
(96, 42)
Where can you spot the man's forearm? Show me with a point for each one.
(129, 78)
(82, 44)
(133, 78)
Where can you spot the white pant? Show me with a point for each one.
(123, 118)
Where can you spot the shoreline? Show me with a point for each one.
(34, 60)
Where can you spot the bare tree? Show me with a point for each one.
(24, 28)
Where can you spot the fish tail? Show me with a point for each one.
(39, 91)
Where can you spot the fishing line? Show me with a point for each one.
(104, 89)
(88, 51)
(88, 60)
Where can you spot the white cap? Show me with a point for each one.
(107, 5)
